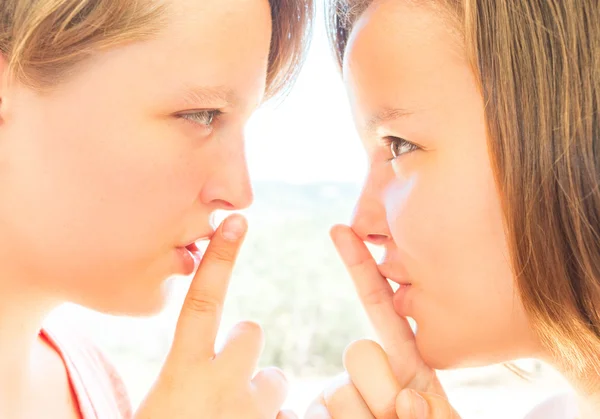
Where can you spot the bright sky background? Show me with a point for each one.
(310, 137)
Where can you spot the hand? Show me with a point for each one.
(384, 381)
(195, 382)
(369, 390)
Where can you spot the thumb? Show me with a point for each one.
(411, 404)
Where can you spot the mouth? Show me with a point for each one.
(192, 244)
(401, 285)
(193, 248)
(400, 282)
(191, 255)
(195, 252)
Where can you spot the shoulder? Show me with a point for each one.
(560, 406)
(92, 374)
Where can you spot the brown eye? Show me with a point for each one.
(399, 146)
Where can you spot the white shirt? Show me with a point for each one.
(562, 406)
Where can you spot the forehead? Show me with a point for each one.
(218, 17)
(399, 52)
(214, 44)
(232, 30)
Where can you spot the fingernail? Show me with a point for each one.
(418, 405)
(234, 227)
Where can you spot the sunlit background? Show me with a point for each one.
(307, 164)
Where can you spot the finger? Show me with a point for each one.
(201, 313)
(344, 401)
(271, 388)
(242, 349)
(372, 375)
(287, 414)
(317, 409)
(411, 404)
(376, 295)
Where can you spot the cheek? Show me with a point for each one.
(448, 228)
(123, 181)
(108, 184)
(447, 219)
(98, 207)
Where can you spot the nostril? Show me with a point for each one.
(225, 205)
(377, 238)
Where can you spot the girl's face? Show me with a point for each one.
(103, 181)
(431, 198)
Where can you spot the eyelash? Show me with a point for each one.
(399, 142)
(204, 118)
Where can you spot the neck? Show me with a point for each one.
(588, 396)
(589, 406)
(587, 387)
(22, 313)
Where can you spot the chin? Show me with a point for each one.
(436, 356)
(134, 303)
(448, 354)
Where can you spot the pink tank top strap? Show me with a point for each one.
(100, 392)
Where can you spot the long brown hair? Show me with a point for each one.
(538, 66)
(45, 40)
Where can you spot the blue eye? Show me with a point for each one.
(399, 146)
(205, 118)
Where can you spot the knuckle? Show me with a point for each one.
(421, 380)
(201, 304)
(342, 395)
(220, 254)
(376, 296)
(331, 393)
(386, 412)
(442, 405)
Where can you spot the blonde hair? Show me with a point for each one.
(538, 66)
(45, 41)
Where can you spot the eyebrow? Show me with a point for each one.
(195, 95)
(385, 115)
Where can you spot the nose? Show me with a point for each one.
(369, 220)
(229, 186)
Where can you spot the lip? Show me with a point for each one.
(402, 298)
(189, 256)
(195, 239)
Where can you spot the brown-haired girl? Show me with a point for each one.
(481, 120)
